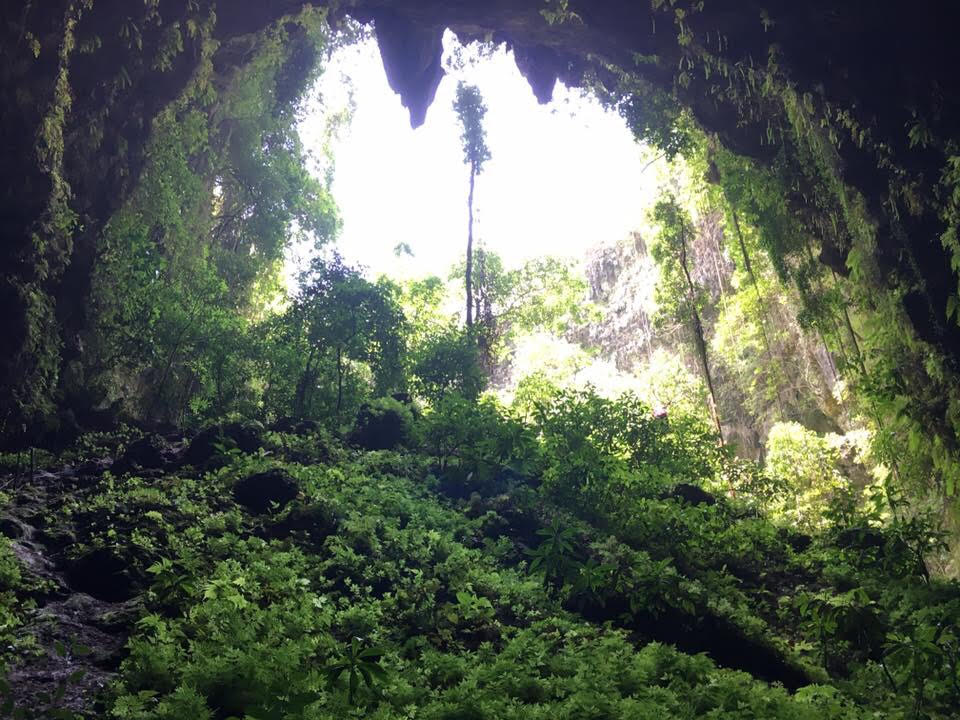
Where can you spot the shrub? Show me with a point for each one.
(448, 362)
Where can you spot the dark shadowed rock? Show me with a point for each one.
(260, 492)
(305, 427)
(74, 678)
(94, 468)
(246, 437)
(690, 494)
(540, 66)
(12, 528)
(284, 425)
(796, 540)
(148, 453)
(383, 424)
(315, 522)
(102, 575)
(204, 446)
(412, 57)
(861, 538)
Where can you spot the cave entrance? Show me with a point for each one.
(563, 176)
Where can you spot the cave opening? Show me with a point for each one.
(563, 176)
(845, 182)
(305, 410)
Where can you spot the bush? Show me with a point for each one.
(479, 439)
(448, 362)
(602, 452)
(806, 468)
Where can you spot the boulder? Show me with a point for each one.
(266, 491)
(148, 453)
(284, 424)
(384, 424)
(246, 437)
(315, 521)
(861, 538)
(305, 427)
(103, 575)
(799, 542)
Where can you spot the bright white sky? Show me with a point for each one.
(563, 177)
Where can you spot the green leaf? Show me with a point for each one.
(365, 673)
(377, 671)
(375, 651)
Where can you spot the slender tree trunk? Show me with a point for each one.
(853, 335)
(185, 401)
(469, 271)
(300, 399)
(760, 303)
(717, 254)
(826, 349)
(339, 378)
(699, 341)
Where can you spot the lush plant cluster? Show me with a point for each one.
(428, 551)
(878, 316)
(195, 254)
(478, 570)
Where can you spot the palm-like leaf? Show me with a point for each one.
(359, 663)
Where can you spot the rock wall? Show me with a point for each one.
(869, 86)
(622, 277)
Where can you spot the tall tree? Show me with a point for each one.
(544, 294)
(470, 111)
(679, 297)
(339, 323)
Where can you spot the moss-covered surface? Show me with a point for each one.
(845, 114)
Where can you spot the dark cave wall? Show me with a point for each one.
(73, 136)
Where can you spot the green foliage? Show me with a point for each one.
(602, 453)
(544, 294)
(9, 569)
(653, 115)
(852, 614)
(416, 540)
(470, 608)
(196, 251)
(470, 110)
(340, 340)
(676, 301)
(447, 361)
(819, 234)
(555, 555)
(12, 609)
(591, 580)
(258, 616)
(357, 662)
(475, 439)
(805, 467)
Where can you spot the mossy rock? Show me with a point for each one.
(315, 522)
(382, 424)
(148, 453)
(246, 437)
(266, 491)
